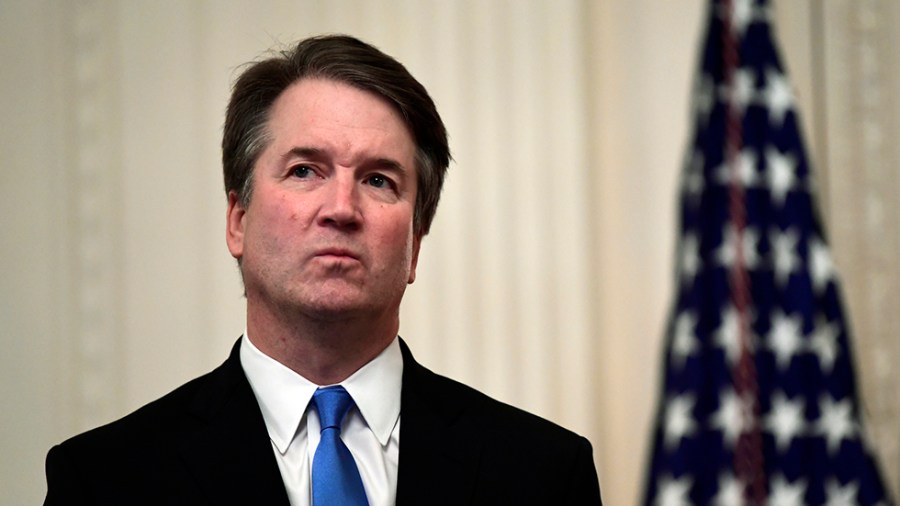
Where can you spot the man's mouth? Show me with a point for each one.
(337, 253)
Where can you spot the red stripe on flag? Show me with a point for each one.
(748, 455)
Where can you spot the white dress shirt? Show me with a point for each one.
(371, 429)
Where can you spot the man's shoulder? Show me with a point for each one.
(493, 414)
(470, 408)
(495, 447)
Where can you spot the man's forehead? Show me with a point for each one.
(318, 116)
(322, 91)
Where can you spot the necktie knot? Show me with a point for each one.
(332, 403)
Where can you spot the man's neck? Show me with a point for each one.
(324, 352)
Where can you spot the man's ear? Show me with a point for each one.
(414, 261)
(234, 225)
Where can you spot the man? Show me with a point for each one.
(334, 157)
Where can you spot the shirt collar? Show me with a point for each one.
(283, 395)
(375, 389)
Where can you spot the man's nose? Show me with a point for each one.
(341, 204)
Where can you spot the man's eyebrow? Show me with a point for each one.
(389, 164)
(319, 154)
(305, 152)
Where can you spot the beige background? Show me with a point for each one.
(546, 281)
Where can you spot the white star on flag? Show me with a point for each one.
(704, 98)
(734, 416)
(693, 178)
(785, 338)
(824, 343)
(785, 421)
(679, 420)
(674, 492)
(785, 259)
(841, 495)
(690, 258)
(835, 422)
(742, 91)
(684, 343)
(785, 493)
(777, 96)
(731, 491)
(728, 251)
(821, 268)
(742, 14)
(746, 173)
(781, 172)
(728, 335)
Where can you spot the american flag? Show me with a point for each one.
(759, 399)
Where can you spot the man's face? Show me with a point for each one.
(328, 232)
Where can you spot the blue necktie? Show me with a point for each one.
(335, 478)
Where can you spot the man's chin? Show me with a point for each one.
(328, 306)
(334, 302)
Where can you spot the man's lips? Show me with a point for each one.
(337, 252)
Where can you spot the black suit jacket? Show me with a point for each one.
(206, 443)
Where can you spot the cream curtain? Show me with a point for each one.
(546, 279)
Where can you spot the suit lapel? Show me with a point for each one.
(439, 454)
(229, 452)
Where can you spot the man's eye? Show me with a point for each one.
(301, 171)
(378, 181)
